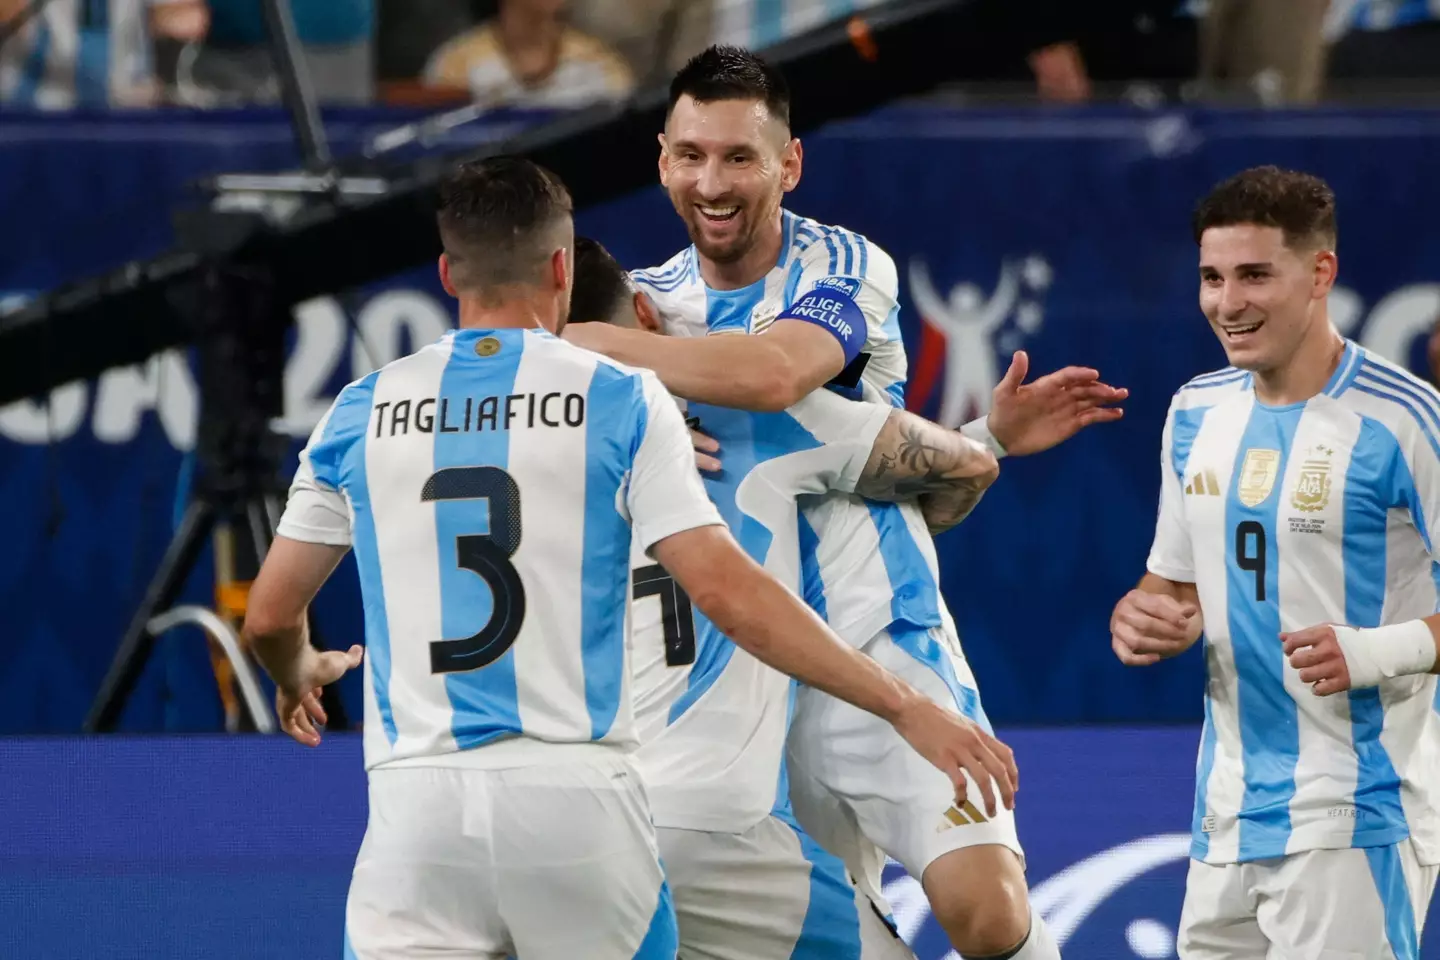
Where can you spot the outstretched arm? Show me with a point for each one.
(914, 458)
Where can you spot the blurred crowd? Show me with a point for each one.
(63, 54)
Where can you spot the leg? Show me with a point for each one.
(576, 864)
(971, 867)
(769, 894)
(422, 885)
(1218, 921)
(1345, 903)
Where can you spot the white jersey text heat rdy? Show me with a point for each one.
(488, 484)
(1285, 518)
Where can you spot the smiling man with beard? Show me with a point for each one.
(825, 300)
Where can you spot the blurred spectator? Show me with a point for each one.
(762, 23)
(528, 56)
(1270, 49)
(337, 37)
(655, 37)
(89, 53)
(1432, 353)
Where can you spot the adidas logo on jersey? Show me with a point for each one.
(960, 815)
(1203, 484)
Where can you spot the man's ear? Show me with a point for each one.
(445, 276)
(664, 161)
(792, 160)
(646, 313)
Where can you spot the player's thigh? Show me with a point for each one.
(769, 893)
(828, 820)
(1342, 904)
(422, 885)
(1217, 920)
(900, 802)
(577, 867)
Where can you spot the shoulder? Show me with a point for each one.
(1386, 392)
(674, 274)
(462, 51)
(839, 251)
(582, 47)
(1211, 388)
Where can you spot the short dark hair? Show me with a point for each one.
(724, 72)
(601, 284)
(500, 219)
(1301, 205)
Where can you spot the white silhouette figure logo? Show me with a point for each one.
(968, 322)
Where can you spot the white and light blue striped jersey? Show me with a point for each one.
(866, 564)
(1284, 518)
(489, 484)
(810, 253)
(712, 718)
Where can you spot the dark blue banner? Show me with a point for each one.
(241, 848)
(1062, 233)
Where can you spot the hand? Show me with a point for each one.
(1149, 627)
(297, 701)
(959, 746)
(1316, 653)
(704, 446)
(1029, 418)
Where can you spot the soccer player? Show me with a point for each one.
(489, 484)
(825, 300)
(1299, 501)
(747, 881)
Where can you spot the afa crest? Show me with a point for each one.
(1312, 486)
(1257, 476)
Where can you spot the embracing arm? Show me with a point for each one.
(914, 458)
(767, 373)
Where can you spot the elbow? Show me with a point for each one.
(775, 384)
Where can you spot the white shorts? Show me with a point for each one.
(548, 862)
(769, 893)
(1317, 905)
(885, 790)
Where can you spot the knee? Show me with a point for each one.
(983, 907)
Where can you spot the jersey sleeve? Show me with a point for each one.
(848, 286)
(1420, 447)
(665, 495)
(846, 430)
(1170, 553)
(317, 510)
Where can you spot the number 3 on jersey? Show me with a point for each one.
(488, 555)
(1250, 553)
(675, 613)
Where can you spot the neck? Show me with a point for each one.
(519, 26)
(759, 260)
(525, 314)
(1306, 372)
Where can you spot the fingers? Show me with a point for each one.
(1129, 657)
(1309, 637)
(314, 708)
(1007, 759)
(1088, 393)
(1100, 415)
(704, 443)
(1068, 379)
(1331, 685)
(983, 779)
(295, 722)
(1157, 606)
(1019, 366)
(706, 464)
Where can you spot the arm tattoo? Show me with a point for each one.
(913, 458)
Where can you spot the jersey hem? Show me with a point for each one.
(1330, 840)
(304, 533)
(506, 754)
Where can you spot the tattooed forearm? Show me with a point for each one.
(916, 458)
